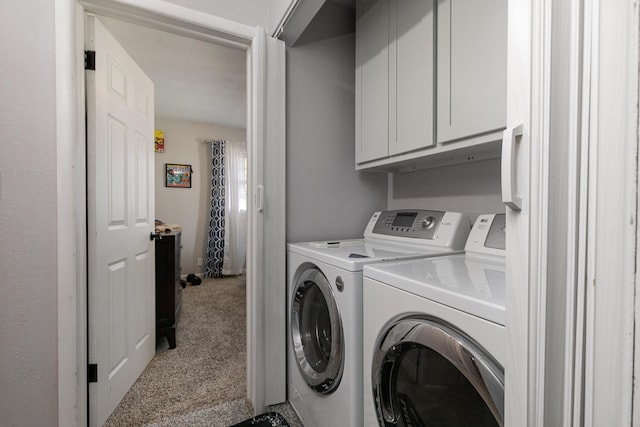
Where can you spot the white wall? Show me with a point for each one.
(28, 187)
(326, 197)
(194, 79)
(472, 188)
(266, 14)
(249, 12)
(184, 143)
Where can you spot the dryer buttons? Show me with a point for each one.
(339, 284)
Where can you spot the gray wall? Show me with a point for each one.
(28, 261)
(473, 188)
(326, 197)
(189, 207)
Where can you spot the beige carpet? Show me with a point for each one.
(208, 367)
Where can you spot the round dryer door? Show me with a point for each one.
(425, 373)
(316, 332)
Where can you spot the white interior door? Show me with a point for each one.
(266, 245)
(274, 216)
(120, 212)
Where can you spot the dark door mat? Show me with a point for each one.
(268, 419)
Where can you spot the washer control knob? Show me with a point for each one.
(339, 284)
(427, 223)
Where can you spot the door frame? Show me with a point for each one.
(600, 304)
(71, 167)
(610, 299)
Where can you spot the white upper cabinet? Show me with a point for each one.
(394, 77)
(472, 68)
(372, 82)
(430, 82)
(412, 46)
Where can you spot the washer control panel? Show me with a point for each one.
(420, 224)
(419, 229)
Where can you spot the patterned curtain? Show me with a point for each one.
(215, 246)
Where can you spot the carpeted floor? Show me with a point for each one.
(206, 370)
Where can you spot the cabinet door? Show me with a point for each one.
(412, 46)
(372, 81)
(472, 68)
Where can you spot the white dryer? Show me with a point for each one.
(324, 364)
(434, 336)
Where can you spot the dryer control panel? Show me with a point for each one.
(425, 227)
(488, 235)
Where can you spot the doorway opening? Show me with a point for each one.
(265, 138)
(200, 96)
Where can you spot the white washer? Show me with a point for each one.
(434, 336)
(325, 307)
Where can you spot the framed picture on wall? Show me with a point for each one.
(177, 175)
(158, 141)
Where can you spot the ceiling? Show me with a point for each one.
(316, 20)
(204, 82)
(194, 80)
(351, 4)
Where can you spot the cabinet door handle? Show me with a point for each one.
(509, 138)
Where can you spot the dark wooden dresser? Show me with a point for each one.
(168, 289)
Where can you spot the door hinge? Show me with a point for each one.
(92, 373)
(90, 60)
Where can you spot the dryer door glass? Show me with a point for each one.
(316, 332)
(426, 373)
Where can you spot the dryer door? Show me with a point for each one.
(425, 373)
(316, 332)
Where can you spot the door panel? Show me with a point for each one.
(120, 205)
(274, 215)
(522, 226)
(415, 66)
(144, 159)
(372, 74)
(472, 55)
